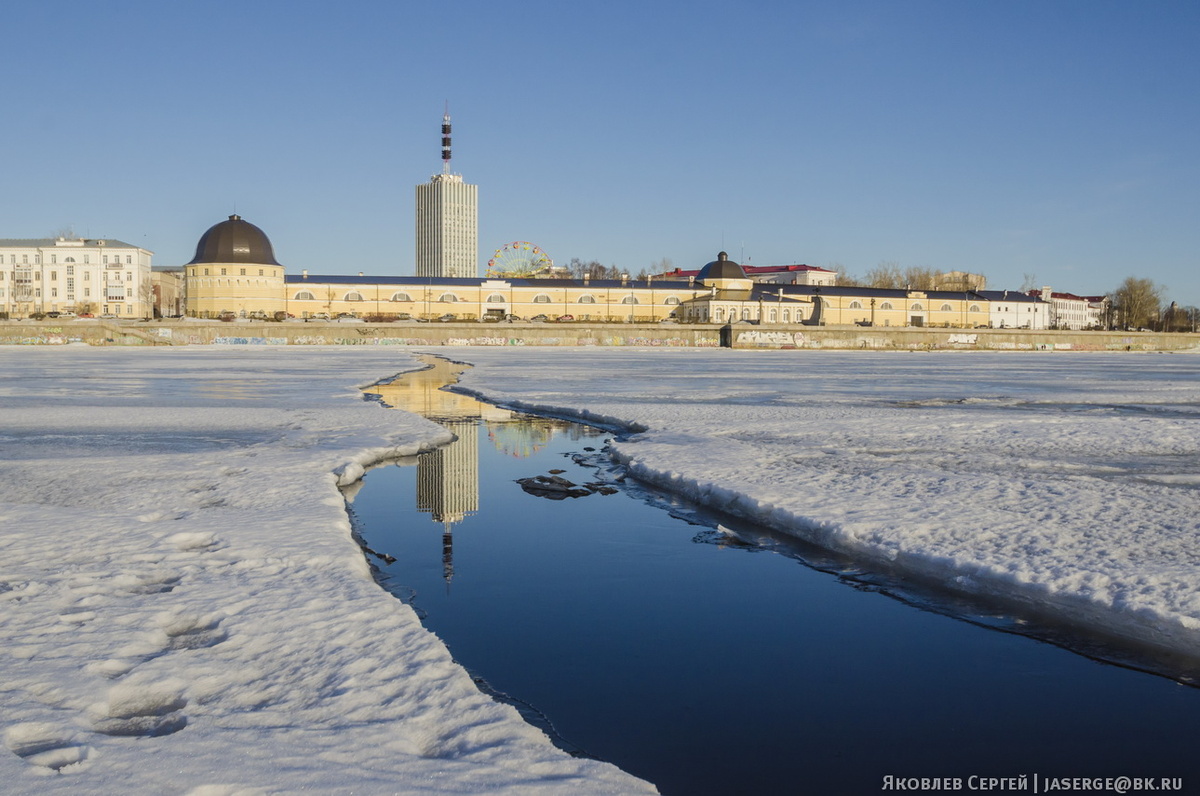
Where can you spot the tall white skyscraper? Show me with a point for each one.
(447, 221)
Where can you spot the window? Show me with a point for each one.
(587, 299)
(916, 306)
(745, 313)
(774, 318)
(260, 272)
(104, 259)
(222, 272)
(303, 295)
(786, 317)
(495, 298)
(69, 260)
(353, 295)
(448, 297)
(87, 258)
(129, 259)
(887, 305)
(856, 305)
(54, 276)
(70, 269)
(947, 308)
(630, 300)
(206, 272)
(243, 272)
(671, 300)
(541, 298)
(53, 259)
(718, 314)
(53, 292)
(401, 297)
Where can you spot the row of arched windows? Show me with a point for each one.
(494, 298)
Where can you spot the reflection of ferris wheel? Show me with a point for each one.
(519, 258)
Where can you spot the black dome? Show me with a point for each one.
(721, 268)
(234, 241)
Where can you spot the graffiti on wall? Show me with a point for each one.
(754, 337)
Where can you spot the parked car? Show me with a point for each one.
(319, 316)
(510, 317)
(108, 316)
(564, 318)
(447, 318)
(539, 319)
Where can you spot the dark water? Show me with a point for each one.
(638, 633)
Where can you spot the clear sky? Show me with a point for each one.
(1025, 137)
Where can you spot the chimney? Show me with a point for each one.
(304, 274)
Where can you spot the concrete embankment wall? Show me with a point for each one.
(181, 332)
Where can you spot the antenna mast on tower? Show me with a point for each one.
(446, 139)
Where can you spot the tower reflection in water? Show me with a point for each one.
(448, 476)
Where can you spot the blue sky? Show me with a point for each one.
(1053, 139)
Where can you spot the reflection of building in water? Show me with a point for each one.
(448, 483)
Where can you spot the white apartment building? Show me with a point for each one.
(1012, 309)
(100, 276)
(1068, 311)
(447, 228)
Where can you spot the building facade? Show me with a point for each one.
(98, 276)
(1068, 311)
(447, 228)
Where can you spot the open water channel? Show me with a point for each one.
(709, 656)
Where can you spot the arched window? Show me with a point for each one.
(630, 300)
(973, 308)
(401, 297)
(786, 316)
(353, 295)
(587, 299)
(774, 318)
(70, 260)
(856, 305)
(745, 313)
(916, 305)
(719, 314)
(495, 298)
(304, 295)
(947, 308)
(448, 297)
(541, 298)
(887, 305)
(671, 300)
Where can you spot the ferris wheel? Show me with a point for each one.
(517, 259)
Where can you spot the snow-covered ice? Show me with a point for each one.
(185, 611)
(1066, 484)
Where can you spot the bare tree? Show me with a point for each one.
(843, 277)
(885, 275)
(1030, 282)
(1138, 302)
(917, 278)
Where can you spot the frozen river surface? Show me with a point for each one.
(185, 609)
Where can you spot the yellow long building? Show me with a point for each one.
(235, 274)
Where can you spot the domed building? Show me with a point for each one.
(234, 272)
(724, 274)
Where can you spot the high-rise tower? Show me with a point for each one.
(447, 221)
